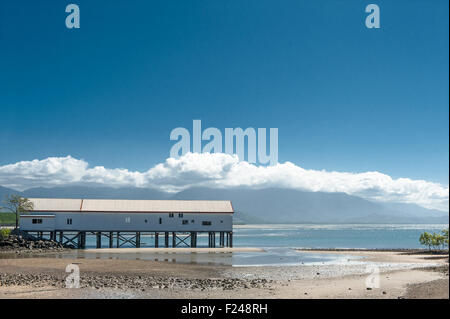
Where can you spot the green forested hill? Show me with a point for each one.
(7, 219)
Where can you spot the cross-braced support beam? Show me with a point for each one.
(74, 240)
(121, 240)
(178, 240)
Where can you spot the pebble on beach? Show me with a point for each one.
(132, 282)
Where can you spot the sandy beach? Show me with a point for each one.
(401, 275)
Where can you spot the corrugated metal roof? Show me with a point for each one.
(53, 204)
(123, 205)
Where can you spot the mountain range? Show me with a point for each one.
(270, 205)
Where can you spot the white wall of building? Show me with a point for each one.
(38, 222)
(131, 222)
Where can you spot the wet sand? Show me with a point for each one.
(401, 276)
(381, 256)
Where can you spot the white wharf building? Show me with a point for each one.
(124, 221)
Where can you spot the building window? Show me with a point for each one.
(221, 221)
(160, 220)
(170, 215)
(145, 220)
(69, 221)
(36, 221)
(127, 220)
(180, 215)
(185, 222)
(206, 223)
(192, 221)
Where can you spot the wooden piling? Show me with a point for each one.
(83, 240)
(221, 239)
(111, 238)
(138, 239)
(99, 239)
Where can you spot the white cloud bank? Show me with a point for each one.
(223, 170)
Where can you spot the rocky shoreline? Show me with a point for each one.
(141, 283)
(19, 244)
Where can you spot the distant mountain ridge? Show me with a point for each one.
(269, 205)
(292, 206)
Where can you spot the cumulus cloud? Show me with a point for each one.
(224, 171)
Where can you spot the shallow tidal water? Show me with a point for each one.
(269, 257)
(279, 243)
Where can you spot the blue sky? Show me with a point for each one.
(344, 97)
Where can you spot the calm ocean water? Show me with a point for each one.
(333, 236)
(316, 236)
